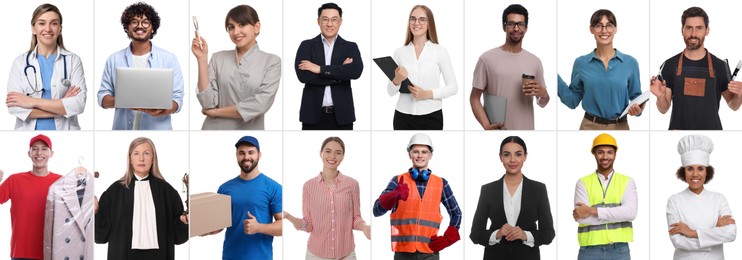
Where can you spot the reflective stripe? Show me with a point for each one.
(607, 205)
(413, 221)
(410, 239)
(609, 226)
(429, 223)
(404, 221)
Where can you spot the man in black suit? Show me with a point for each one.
(326, 64)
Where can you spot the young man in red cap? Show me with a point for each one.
(28, 191)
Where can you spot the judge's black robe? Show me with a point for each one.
(113, 222)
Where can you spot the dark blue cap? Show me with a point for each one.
(248, 139)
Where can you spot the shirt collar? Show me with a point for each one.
(339, 178)
(60, 52)
(141, 179)
(325, 41)
(594, 56)
(610, 175)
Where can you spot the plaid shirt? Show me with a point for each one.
(447, 198)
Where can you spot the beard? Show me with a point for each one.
(133, 37)
(248, 169)
(692, 46)
(514, 39)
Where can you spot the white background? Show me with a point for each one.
(666, 161)
(390, 157)
(389, 31)
(666, 40)
(484, 32)
(174, 36)
(113, 148)
(575, 39)
(211, 15)
(213, 162)
(301, 24)
(67, 147)
(306, 164)
(576, 161)
(483, 165)
(76, 27)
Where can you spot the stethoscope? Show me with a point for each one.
(65, 82)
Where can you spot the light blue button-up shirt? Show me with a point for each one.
(604, 93)
(123, 119)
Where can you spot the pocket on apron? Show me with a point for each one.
(694, 87)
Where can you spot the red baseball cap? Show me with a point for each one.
(42, 138)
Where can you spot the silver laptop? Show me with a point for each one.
(144, 88)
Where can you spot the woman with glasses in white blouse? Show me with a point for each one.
(422, 61)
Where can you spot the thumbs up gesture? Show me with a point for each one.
(251, 224)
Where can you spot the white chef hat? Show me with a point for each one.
(695, 149)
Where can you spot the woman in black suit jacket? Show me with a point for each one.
(518, 231)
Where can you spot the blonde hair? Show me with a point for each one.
(431, 34)
(154, 170)
(42, 9)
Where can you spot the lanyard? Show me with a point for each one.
(606, 185)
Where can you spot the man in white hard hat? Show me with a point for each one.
(414, 198)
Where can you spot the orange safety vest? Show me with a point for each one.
(416, 220)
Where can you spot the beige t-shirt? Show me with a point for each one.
(499, 73)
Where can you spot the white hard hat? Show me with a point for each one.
(422, 139)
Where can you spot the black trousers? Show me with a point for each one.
(326, 122)
(432, 121)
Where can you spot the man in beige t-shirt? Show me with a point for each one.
(499, 70)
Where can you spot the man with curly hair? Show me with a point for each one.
(140, 22)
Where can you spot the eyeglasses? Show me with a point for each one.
(333, 20)
(608, 27)
(144, 23)
(40, 150)
(421, 20)
(511, 24)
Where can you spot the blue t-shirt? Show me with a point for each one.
(46, 65)
(262, 197)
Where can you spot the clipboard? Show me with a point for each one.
(387, 65)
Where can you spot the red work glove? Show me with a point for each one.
(387, 200)
(449, 237)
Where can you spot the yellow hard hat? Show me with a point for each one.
(604, 139)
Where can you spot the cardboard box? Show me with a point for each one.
(209, 212)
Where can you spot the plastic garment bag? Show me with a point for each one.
(69, 225)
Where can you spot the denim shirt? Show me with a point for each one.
(158, 58)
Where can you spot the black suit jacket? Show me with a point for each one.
(336, 75)
(534, 207)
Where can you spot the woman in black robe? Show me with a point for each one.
(115, 219)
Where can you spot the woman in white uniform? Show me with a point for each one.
(46, 85)
(699, 221)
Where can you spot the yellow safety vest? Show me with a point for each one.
(591, 235)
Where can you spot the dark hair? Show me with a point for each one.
(242, 14)
(42, 9)
(514, 9)
(694, 12)
(431, 34)
(514, 139)
(329, 6)
(333, 138)
(140, 9)
(598, 15)
(709, 174)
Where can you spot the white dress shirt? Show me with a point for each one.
(144, 226)
(512, 211)
(700, 212)
(329, 46)
(424, 72)
(625, 212)
(18, 81)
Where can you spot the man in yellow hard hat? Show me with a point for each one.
(605, 205)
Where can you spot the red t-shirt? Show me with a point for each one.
(28, 193)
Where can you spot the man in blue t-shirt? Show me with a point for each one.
(256, 207)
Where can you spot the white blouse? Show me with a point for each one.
(144, 226)
(511, 205)
(424, 72)
(700, 212)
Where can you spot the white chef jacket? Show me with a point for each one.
(700, 212)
